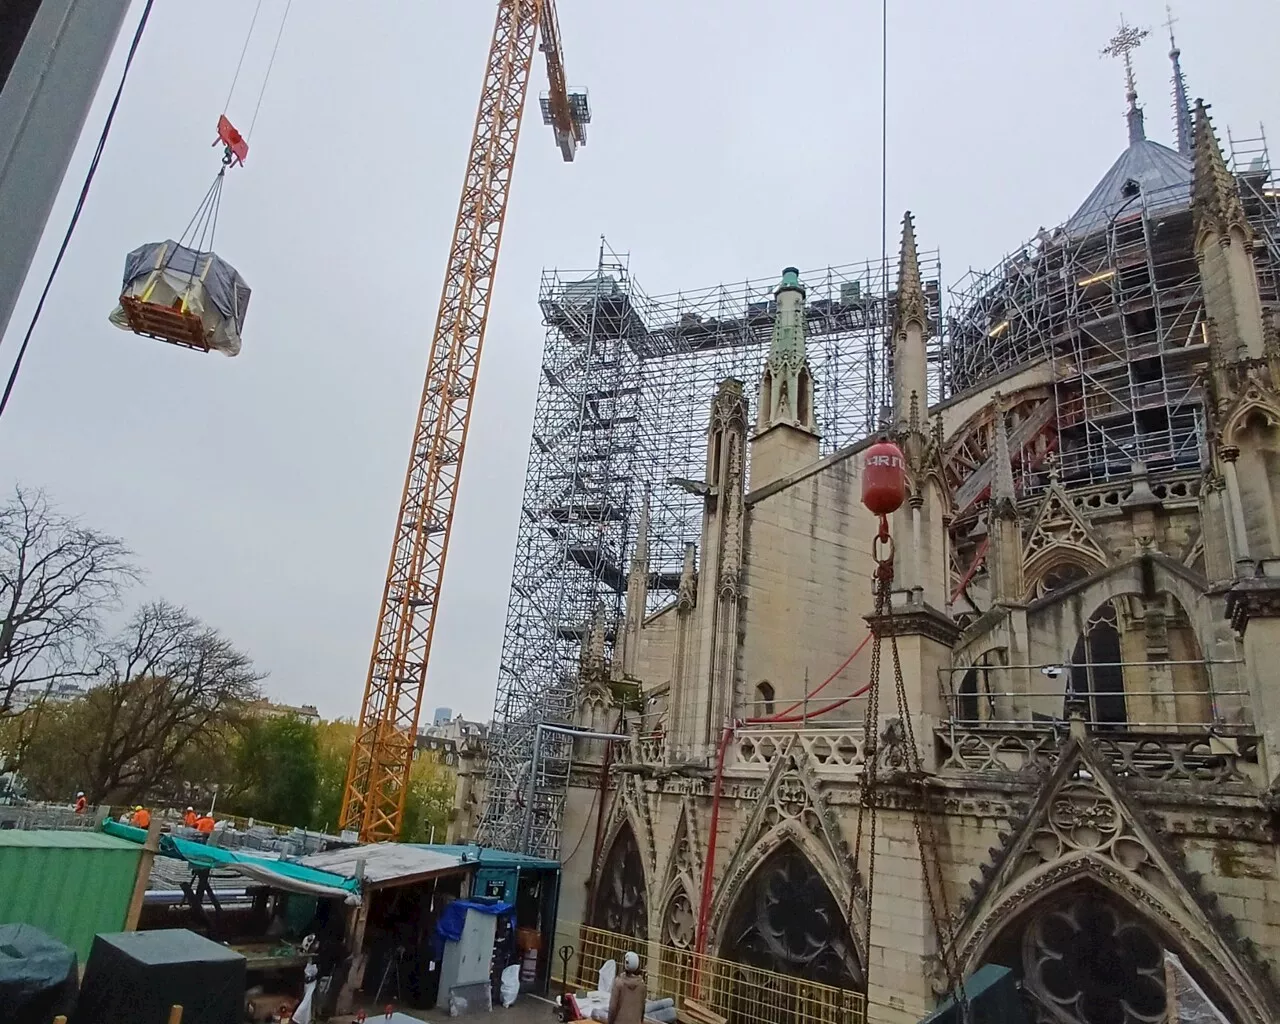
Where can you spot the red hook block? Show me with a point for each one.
(236, 146)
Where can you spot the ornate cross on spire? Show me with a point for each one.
(1127, 39)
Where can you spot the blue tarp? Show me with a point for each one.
(454, 916)
(277, 873)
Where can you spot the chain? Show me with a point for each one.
(870, 759)
(926, 834)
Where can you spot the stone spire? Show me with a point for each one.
(1122, 44)
(1215, 200)
(786, 386)
(910, 307)
(910, 333)
(592, 663)
(1181, 106)
(637, 595)
(1003, 496)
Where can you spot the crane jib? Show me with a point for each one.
(382, 755)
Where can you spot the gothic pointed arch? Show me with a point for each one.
(679, 919)
(786, 920)
(684, 861)
(792, 809)
(1256, 401)
(1060, 534)
(1086, 871)
(620, 902)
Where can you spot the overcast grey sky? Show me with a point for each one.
(731, 137)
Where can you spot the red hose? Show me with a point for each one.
(781, 715)
(708, 867)
(812, 714)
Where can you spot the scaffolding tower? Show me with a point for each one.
(1113, 308)
(627, 382)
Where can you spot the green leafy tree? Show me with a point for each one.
(335, 740)
(276, 770)
(428, 802)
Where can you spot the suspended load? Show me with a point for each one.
(183, 292)
(183, 296)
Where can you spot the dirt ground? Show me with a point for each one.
(527, 1010)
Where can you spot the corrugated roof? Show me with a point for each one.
(1163, 174)
(63, 839)
(386, 863)
(490, 858)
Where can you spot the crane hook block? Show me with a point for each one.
(235, 146)
(884, 478)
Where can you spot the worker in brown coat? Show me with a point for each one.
(628, 996)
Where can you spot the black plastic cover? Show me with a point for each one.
(138, 976)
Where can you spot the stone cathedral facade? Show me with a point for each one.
(1086, 612)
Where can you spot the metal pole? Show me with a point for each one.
(526, 829)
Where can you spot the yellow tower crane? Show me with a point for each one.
(378, 772)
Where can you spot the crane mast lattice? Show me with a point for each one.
(382, 755)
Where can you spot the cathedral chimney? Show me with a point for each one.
(786, 437)
(910, 333)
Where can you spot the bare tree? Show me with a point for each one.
(169, 688)
(56, 578)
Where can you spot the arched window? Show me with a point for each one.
(619, 904)
(1097, 669)
(975, 689)
(1085, 957)
(764, 698)
(785, 920)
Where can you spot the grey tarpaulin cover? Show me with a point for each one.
(212, 289)
(38, 976)
(1187, 1002)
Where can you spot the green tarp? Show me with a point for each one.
(278, 874)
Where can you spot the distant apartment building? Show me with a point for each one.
(265, 708)
(462, 746)
(27, 696)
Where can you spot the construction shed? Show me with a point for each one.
(532, 886)
(70, 884)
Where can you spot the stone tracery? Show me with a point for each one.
(621, 904)
(786, 920)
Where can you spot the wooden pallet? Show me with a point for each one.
(693, 1012)
(164, 323)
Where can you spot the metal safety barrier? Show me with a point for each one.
(742, 993)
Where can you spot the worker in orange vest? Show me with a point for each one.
(82, 804)
(205, 823)
(190, 818)
(141, 817)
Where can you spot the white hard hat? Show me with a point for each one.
(78, 795)
(631, 963)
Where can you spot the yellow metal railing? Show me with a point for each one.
(744, 994)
